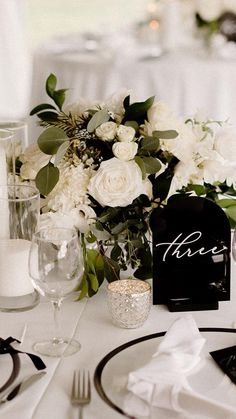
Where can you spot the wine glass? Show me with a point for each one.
(233, 247)
(55, 268)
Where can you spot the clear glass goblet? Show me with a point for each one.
(233, 247)
(55, 268)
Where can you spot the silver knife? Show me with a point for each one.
(23, 385)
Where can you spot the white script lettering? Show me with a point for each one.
(178, 249)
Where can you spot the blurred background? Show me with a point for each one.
(181, 51)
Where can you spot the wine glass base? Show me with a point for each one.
(57, 347)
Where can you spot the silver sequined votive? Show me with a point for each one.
(129, 302)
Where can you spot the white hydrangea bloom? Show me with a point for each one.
(71, 190)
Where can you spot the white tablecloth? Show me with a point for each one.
(187, 79)
(88, 321)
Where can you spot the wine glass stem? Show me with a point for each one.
(57, 320)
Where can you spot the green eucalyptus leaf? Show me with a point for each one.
(99, 267)
(59, 97)
(119, 228)
(41, 107)
(90, 237)
(47, 178)
(166, 135)
(51, 83)
(132, 124)
(61, 152)
(152, 165)
(51, 139)
(198, 189)
(111, 269)
(93, 281)
(98, 119)
(83, 287)
(141, 165)
(138, 110)
(150, 144)
(48, 116)
(231, 212)
(225, 203)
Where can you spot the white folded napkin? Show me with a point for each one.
(159, 382)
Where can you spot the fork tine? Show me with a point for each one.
(89, 386)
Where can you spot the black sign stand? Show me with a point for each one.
(191, 254)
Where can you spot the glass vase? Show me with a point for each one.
(19, 212)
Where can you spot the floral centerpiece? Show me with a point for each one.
(104, 166)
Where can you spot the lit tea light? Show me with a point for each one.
(129, 302)
(129, 286)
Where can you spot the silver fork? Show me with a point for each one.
(81, 390)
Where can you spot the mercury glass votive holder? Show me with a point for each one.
(129, 302)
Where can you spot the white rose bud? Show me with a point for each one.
(125, 151)
(125, 133)
(106, 131)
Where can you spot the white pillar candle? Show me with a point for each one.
(14, 276)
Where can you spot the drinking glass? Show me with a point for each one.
(233, 247)
(55, 267)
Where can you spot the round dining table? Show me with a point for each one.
(89, 321)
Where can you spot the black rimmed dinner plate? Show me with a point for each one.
(110, 377)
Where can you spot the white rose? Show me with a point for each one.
(125, 133)
(78, 109)
(32, 160)
(125, 151)
(55, 219)
(225, 143)
(106, 131)
(210, 9)
(117, 183)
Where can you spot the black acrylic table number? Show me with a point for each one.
(191, 254)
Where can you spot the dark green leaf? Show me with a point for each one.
(48, 116)
(47, 178)
(98, 119)
(61, 152)
(143, 273)
(51, 139)
(116, 252)
(152, 165)
(150, 144)
(59, 97)
(138, 111)
(51, 83)
(141, 165)
(198, 189)
(166, 135)
(111, 269)
(119, 228)
(41, 107)
(126, 102)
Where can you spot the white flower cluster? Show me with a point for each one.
(205, 149)
(212, 9)
(206, 152)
